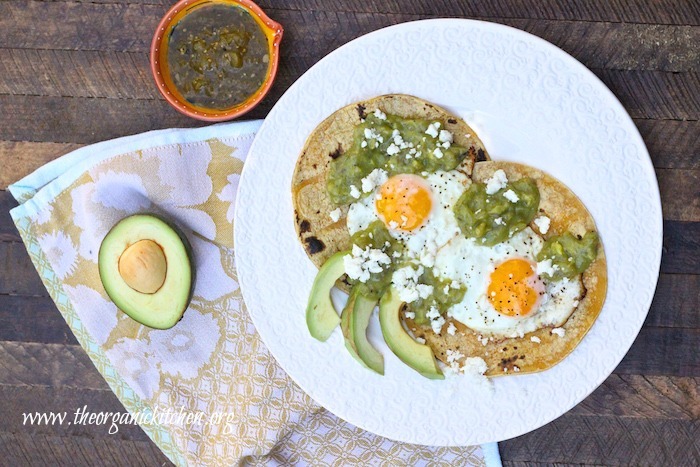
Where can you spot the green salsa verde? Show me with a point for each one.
(395, 144)
(494, 218)
(376, 236)
(570, 255)
(218, 56)
(443, 296)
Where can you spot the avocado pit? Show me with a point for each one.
(143, 266)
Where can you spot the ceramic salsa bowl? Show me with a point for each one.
(160, 66)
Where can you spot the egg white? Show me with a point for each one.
(423, 243)
(466, 261)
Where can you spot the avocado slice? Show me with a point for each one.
(146, 268)
(359, 320)
(321, 317)
(418, 356)
(345, 325)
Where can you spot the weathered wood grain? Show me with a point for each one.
(126, 74)
(18, 448)
(654, 397)
(314, 33)
(602, 440)
(681, 248)
(19, 159)
(48, 365)
(19, 276)
(76, 73)
(676, 302)
(678, 12)
(672, 144)
(657, 12)
(663, 351)
(8, 231)
(680, 194)
(35, 118)
(33, 319)
(657, 95)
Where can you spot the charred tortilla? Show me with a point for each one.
(522, 355)
(319, 234)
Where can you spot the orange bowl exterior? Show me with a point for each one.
(159, 67)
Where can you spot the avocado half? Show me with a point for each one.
(146, 268)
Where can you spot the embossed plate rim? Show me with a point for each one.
(518, 72)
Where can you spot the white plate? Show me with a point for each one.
(530, 102)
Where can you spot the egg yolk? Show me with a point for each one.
(404, 202)
(515, 289)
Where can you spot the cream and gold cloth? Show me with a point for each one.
(207, 391)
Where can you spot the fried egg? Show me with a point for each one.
(416, 210)
(506, 297)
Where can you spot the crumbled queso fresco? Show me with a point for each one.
(496, 182)
(405, 280)
(511, 196)
(436, 319)
(361, 263)
(542, 224)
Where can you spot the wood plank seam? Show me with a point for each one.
(276, 8)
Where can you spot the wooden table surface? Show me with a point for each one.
(75, 72)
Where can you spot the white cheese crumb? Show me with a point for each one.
(545, 267)
(363, 144)
(445, 136)
(451, 329)
(437, 153)
(496, 182)
(410, 315)
(433, 129)
(483, 340)
(354, 192)
(511, 196)
(535, 339)
(371, 133)
(436, 320)
(499, 221)
(393, 225)
(361, 263)
(375, 178)
(405, 280)
(542, 224)
(392, 149)
(516, 369)
(379, 114)
(559, 332)
(420, 340)
(335, 214)
(446, 145)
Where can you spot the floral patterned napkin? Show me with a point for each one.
(207, 391)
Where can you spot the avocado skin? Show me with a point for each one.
(190, 257)
(418, 356)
